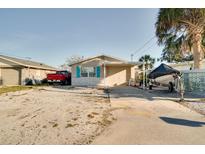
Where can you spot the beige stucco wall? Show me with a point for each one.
(11, 76)
(116, 75)
(5, 65)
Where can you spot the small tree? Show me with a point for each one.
(71, 60)
(74, 59)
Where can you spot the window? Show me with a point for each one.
(88, 72)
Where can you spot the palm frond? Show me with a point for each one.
(176, 29)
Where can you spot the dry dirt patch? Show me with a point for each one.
(53, 116)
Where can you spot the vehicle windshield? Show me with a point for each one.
(62, 72)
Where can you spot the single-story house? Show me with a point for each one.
(102, 71)
(15, 71)
(183, 66)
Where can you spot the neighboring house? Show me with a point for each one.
(102, 70)
(194, 80)
(14, 71)
(183, 66)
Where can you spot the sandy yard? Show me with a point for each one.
(53, 116)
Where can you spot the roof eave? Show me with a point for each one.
(123, 61)
(24, 65)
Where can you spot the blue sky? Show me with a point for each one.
(52, 35)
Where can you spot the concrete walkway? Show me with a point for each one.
(144, 118)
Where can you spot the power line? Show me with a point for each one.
(132, 55)
(148, 48)
(143, 45)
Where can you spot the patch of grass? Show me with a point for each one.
(13, 89)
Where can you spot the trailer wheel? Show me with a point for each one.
(150, 87)
(171, 87)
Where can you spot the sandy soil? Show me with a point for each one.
(53, 116)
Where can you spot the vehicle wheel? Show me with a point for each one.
(171, 87)
(66, 82)
(69, 83)
(150, 87)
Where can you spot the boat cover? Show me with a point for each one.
(162, 70)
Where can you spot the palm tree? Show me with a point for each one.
(149, 62)
(184, 29)
(171, 52)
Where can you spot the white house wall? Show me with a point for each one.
(185, 66)
(87, 81)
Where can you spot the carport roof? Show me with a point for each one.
(27, 63)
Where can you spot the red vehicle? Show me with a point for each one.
(61, 77)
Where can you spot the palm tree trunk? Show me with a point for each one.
(197, 51)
